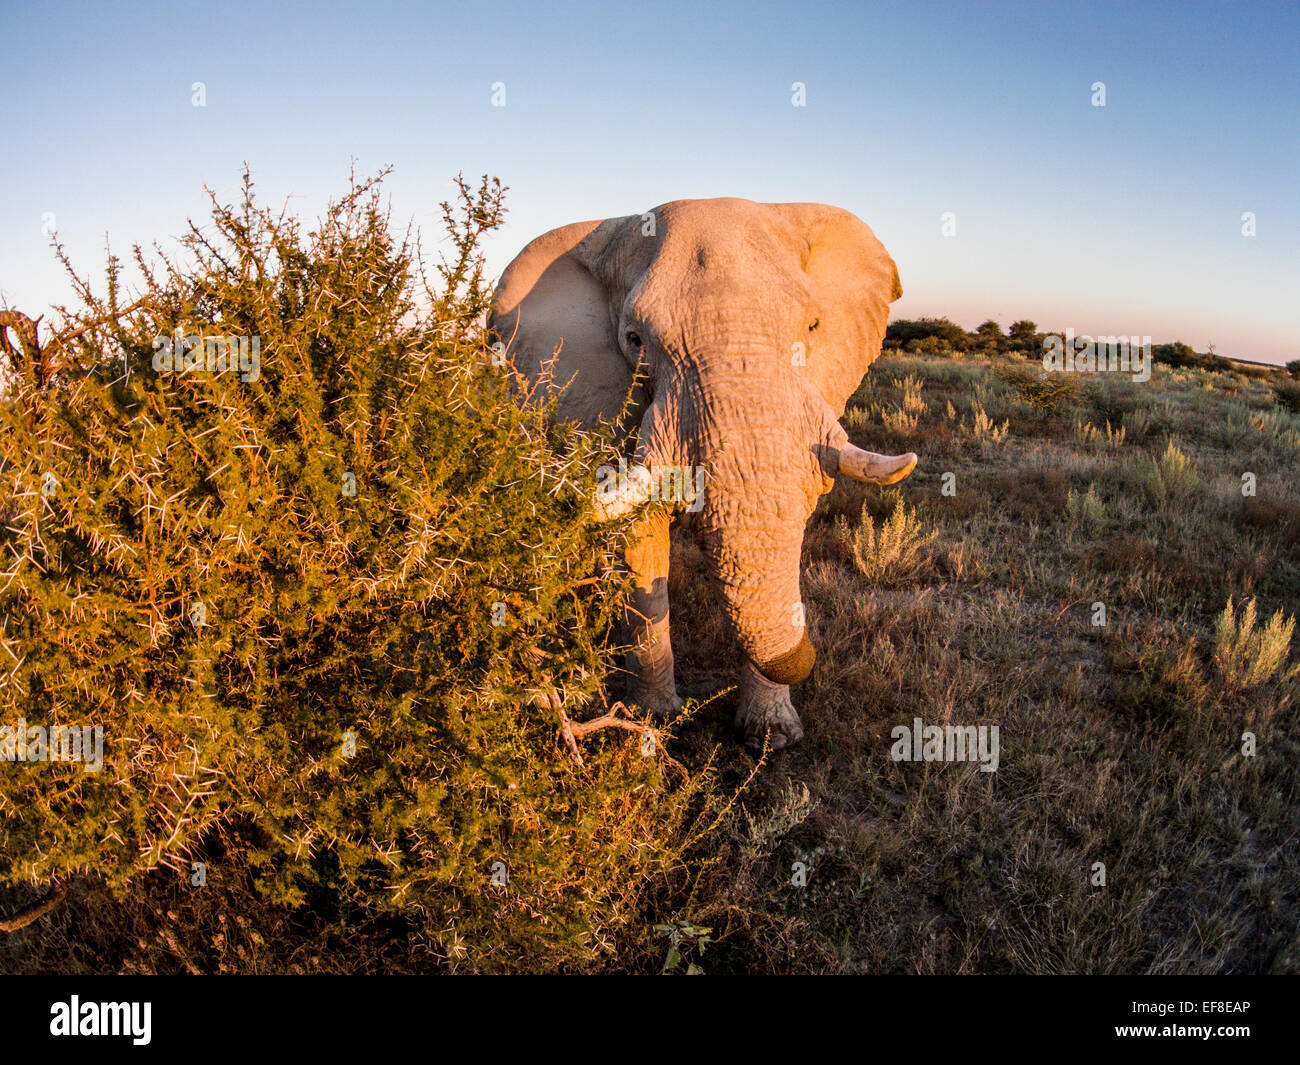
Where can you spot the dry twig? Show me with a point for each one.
(32, 353)
(29, 914)
(572, 731)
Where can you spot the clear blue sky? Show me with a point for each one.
(1122, 219)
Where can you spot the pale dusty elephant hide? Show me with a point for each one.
(751, 324)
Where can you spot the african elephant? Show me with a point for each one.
(751, 324)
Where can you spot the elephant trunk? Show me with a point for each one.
(761, 487)
(767, 616)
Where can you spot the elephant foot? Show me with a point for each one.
(766, 713)
(659, 701)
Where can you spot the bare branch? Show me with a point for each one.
(30, 914)
(572, 731)
(41, 358)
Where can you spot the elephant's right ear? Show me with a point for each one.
(551, 297)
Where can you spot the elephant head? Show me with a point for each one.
(749, 325)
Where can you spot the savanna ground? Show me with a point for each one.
(1120, 743)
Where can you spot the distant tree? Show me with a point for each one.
(1293, 368)
(1023, 337)
(1179, 354)
(1184, 355)
(927, 334)
(989, 337)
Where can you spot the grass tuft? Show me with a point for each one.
(896, 551)
(1247, 655)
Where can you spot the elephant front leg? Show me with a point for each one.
(651, 685)
(765, 707)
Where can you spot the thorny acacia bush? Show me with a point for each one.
(314, 612)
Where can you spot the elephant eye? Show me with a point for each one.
(634, 340)
(816, 323)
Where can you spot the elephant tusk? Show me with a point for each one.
(875, 469)
(619, 495)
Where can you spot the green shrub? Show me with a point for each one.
(896, 552)
(1169, 477)
(1184, 355)
(1113, 397)
(1137, 421)
(1052, 392)
(1085, 510)
(321, 613)
(1287, 395)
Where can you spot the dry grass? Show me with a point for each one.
(1247, 655)
(895, 552)
(1121, 743)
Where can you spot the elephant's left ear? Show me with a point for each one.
(855, 279)
(843, 254)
